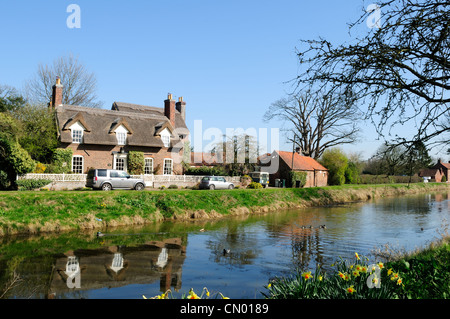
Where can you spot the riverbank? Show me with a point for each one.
(423, 274)
(34, 212)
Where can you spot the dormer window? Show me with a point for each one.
(77, 136)
(121, 135)
(77, 133)
(165, 137)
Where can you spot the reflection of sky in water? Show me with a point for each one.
(272, 246)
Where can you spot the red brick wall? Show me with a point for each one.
(321, 177)
(102, 156)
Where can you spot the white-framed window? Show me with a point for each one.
(168, 166)
(165, 137)
(120, 162)
(148, 166)
(77, 164)
(77, 133)
(121, 135)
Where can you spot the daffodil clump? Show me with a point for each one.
(205, 294)
(358, 280)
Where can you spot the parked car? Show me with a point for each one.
(215, 182)
(108, 179)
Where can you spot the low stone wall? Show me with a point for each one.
(64, 186)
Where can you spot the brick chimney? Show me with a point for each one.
(181, 107)
(57, 94)
(169, 109)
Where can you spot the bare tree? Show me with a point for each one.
(399, 71)
(80, 85)
(317, 122)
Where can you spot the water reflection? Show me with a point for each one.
(82, 270)
(152, 259)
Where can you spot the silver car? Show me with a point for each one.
(215, 182)
(108, 179)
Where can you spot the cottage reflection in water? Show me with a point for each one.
(117, 266)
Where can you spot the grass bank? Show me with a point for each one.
(41, 211)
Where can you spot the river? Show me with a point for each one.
(128, 263)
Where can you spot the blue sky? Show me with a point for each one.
(229, 60)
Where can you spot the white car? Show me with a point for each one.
(215, 182)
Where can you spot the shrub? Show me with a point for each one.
(4, 180)
(30, 184)
(254, 185)
(173, 186)
(136, 163)
(19, 159)
(383, 179)
(61, 162)
(297, 176)
(204, 170)
(444, 179)
(40, 168)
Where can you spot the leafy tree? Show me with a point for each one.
(335, 160)
(14, 160)
(10, 99)
(351, 173)
(39, 133)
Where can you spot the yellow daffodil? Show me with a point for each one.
(363, 269)
(307, 275)
(341, 275)
(351, 290)
(389, 272)
(380, 264)
(357, 256)
(355, 273)
(320, 278)
(399, 281)
(269, 285)
(193, 295)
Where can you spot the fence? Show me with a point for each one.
(150, 180)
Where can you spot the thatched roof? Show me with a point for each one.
(144, 123)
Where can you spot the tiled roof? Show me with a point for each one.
(429, 172)
(303, 163)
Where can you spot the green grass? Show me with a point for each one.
(43, 211)
(426, 274)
